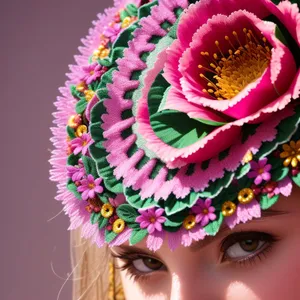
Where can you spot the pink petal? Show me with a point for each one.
(207, 203)
(158, 226)
(266, 176)
(151, 228)
(155, 240)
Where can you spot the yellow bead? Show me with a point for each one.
(126, 22)
(107, 210)
(74, 121)
(189, 222)
(245, 196)
(228, 208)
(118, 226)
(82, 129)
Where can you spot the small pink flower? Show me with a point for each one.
(76, 172)
(81, 144)
(92, 72)
(260, 171)
(204, 212)
(112, 31)
(89, 187)
(151, 219)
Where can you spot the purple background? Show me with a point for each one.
(38, 41)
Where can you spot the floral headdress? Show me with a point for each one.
(179, 116)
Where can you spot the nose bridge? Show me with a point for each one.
(188, 286)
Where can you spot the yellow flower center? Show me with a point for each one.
(245, 196)
(205, 211)
(118, 226)
(152, 220)
(228, 208)
(91, 185)
(291, 154)
(228, 74)
(107, 210)
(92, 72)
(189, 222)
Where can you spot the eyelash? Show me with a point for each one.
(128, 257)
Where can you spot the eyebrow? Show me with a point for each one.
(224, 229)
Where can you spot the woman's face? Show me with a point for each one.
(256, 260)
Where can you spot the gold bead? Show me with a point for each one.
(245, 196)
(228, 208)
(74, 121)
(189, 222)
(107, 210)
(118, 226)
(82, 129)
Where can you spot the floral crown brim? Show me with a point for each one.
(178, 117)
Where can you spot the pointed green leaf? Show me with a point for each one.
(90, 166)
(102, 222)
(279, 173)
(95, 217)
(81, 106)
(127, 213)
(71, 132)
(213, 227)
(266, 202)
(110, 236)
(137, 236)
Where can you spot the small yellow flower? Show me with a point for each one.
(291, 154)
(118, 226)
(228, 208)
(82, 129)
(74, 121)
(245, 196)
(107, 210)
(101, 53)
(128, 21)
(89, 94)
(189, 222)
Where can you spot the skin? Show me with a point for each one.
(198, 272)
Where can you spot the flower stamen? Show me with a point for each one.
(228, 76)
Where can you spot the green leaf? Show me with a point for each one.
(173, 205)
(102, 222)
(280, 36)
(145, 10)
(177, 129)
(106, 79)
(73, 160)
(110, 236)
(127, 213)
(81, 106)
(95, 217)
(137, 236)
(71, 132)
(266, 202)
(71, 186)
(296, 179)
(213, 227)
(210, 123)
(134, 199)
(90, 166)
(132, 10)
(242, 171)
(279, 173)
(76, 94)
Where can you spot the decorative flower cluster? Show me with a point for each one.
(179, 119)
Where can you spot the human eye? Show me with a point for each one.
(246, 247)
(139, 266)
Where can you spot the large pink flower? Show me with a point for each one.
(227, 65)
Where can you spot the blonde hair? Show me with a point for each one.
(94, 274)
